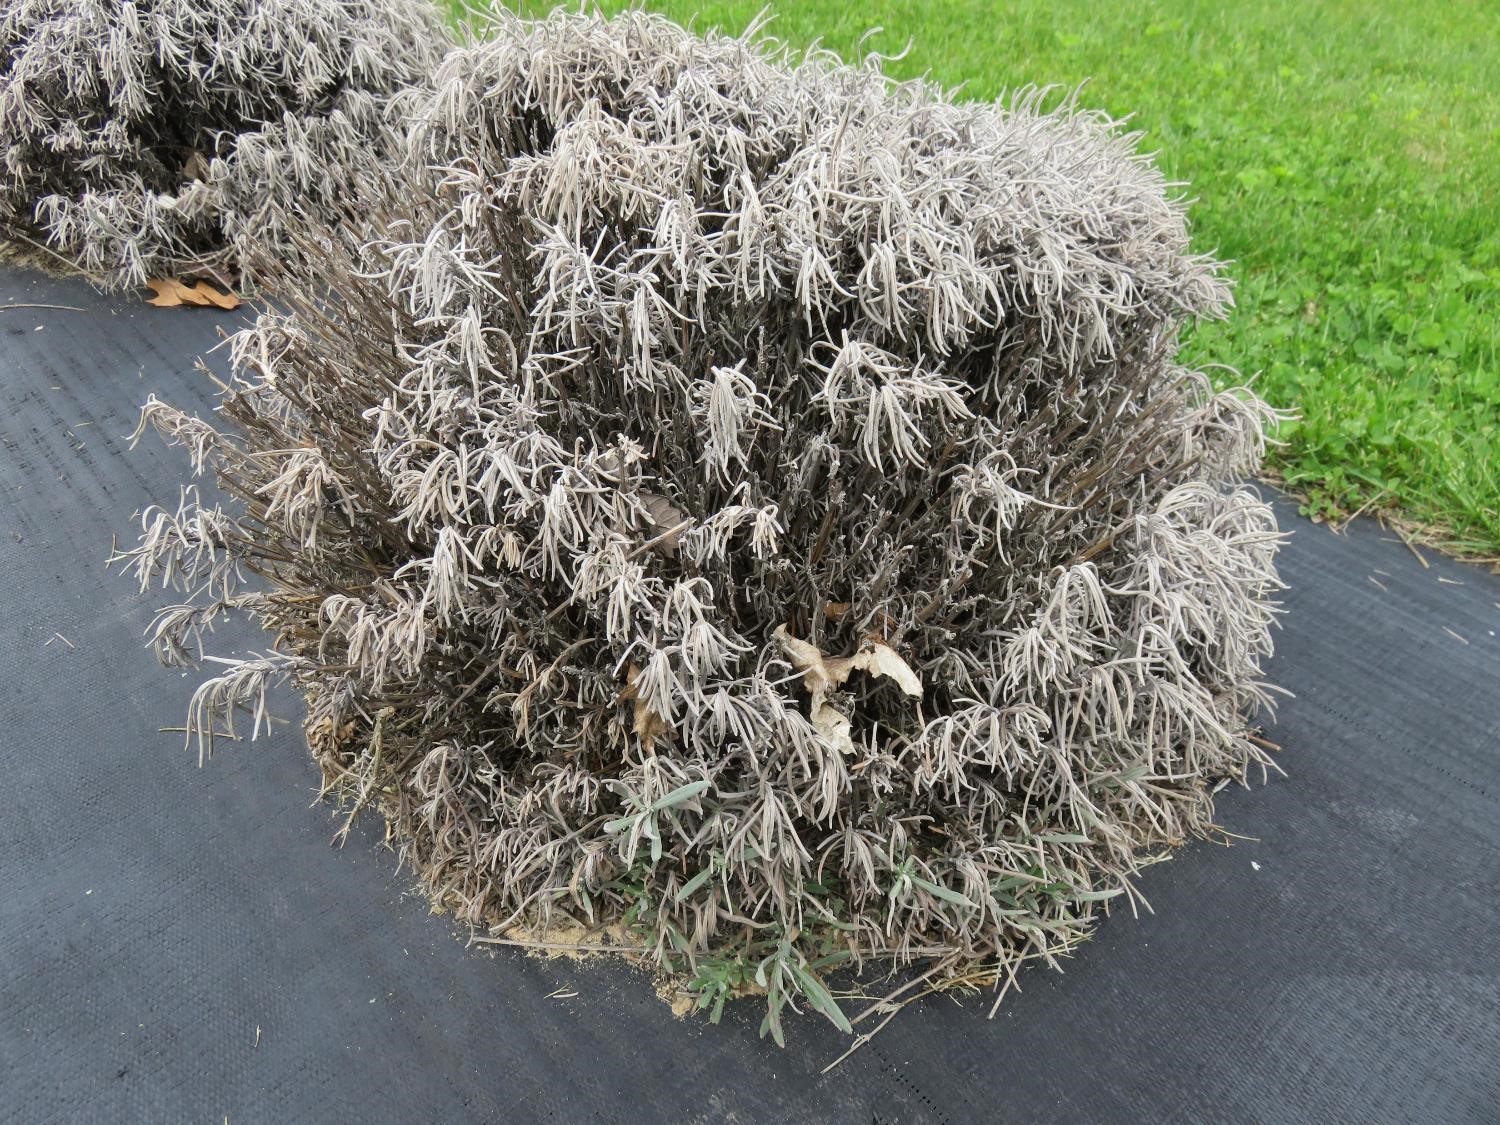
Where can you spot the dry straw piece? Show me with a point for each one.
(149, 138)
(748, 500)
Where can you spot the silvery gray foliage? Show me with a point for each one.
(148, 138)
(749, 500)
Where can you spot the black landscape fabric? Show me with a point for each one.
(182, 944)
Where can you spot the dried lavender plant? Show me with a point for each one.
(749, 501)
(147, 138)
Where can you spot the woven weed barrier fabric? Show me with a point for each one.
(180, 944)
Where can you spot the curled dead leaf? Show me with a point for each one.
(833, 725)
(808, 660)
(875, 658)
(821, 676)
(171, 293)
(648, 726)
(195, 166)
(668, 522)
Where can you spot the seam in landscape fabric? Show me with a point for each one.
(157, 137)
(745, 505)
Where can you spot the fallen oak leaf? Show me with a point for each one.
(833, 725)
(195, 166)
(171, 293)
(223, 300)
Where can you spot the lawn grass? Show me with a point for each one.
(1344, 155)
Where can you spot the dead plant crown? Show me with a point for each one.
(747, 500)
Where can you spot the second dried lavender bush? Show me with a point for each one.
(153, 137)
(747, 502)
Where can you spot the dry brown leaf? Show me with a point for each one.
(649, 726)
(877, 659)
(668, 522)
(171, 293)
(224, 299)
(833, 725)
(821, 675)
(808, 660)
(827, 719)
(195, 167)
